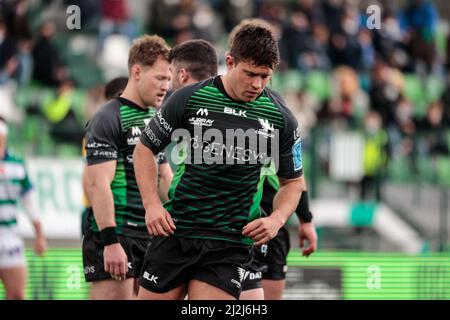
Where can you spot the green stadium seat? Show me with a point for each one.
(25, 96)
(318, 84)
(441, 38)
(79, 104)
(292, 81)
(434, 87)
(46, 145)
(415, 92)
(68, 151)
(443, 170)
(426, 171)
(399, 169)
(276, 82)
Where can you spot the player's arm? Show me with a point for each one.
(154, 139)
(165, 179)
(99, 192)
(158, 220)
(84, 175)
(102, 134)
(289, 172)
(31, 209)
(306, 229)
(284, 204)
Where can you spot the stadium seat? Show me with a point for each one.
(415, 92)
(443, 170)
(292, 81)
(425, 170)
(434, 87)
(318, 84)
(399, 169)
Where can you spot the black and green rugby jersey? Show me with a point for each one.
(14, 184)
(216, 200)
(111, 135)
(270, 188)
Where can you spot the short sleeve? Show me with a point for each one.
(25, 183)
(290, 164)
(158, 133)
(102, 135)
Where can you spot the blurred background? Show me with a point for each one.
(373, 104)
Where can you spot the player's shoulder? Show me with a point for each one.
(107, 114)
(14, 158)
(279, 102)
(109, 109)
(275, 97)
(187, 91)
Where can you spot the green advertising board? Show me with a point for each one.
(325, 275)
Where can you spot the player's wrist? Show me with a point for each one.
(109, 236)
(303, 212)
(152, 203)
(278, 218)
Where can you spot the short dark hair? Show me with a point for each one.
(197, 56)
(115, 87)
(253, 41)
(146, 50)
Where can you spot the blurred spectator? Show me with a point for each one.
(7, 44)
(64, 126)
(15, 15)
(420, 19)
(445, 99)
(367, 49)
(8, 70)
(15, 57)
(274, 13)
(312, 9)
(333, 11)
(296, 36)
(233, 11)
(348, 103)
(168, 18)
(345, 48)
(389, 42)
(304, 106)
(205, 24)
(383, 94)
(401, 136)
(375, 156)
(48, 65)
(115, 18)
(433, 129)
(25, 61)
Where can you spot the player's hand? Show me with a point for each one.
(159, 222)
(116, 261)
(263, 229)
(40, 245)
(307, 231)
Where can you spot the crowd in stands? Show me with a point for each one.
(335, 71)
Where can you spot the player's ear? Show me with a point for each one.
(184, 76)
(136, 71)
(229, 60)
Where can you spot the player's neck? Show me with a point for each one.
(130, 94)
(227, 87)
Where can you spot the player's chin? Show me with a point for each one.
(157, 101)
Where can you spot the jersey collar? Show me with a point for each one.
(219, 84)
(130, 103)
